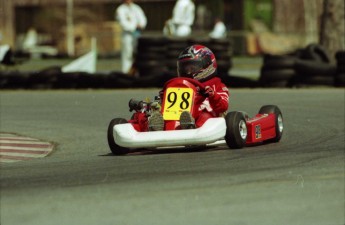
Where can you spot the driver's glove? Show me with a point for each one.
(207, 92)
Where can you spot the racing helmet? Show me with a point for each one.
(197, 62)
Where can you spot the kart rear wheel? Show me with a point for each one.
(115, 148)
(266, 109)
(236, 130)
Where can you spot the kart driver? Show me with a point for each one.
(199, 63)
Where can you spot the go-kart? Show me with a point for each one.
(236, 129)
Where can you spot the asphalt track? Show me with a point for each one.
(299, 180)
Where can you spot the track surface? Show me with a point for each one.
(299, 180)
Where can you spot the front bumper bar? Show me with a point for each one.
(212, 130)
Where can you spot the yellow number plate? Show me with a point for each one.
(176, 101)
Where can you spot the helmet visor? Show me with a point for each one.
(189, 68)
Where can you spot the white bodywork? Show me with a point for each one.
(212, 130)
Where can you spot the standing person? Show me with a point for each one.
(183, 17)
(132, 20)
(219, 29)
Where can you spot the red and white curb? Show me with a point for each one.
(14, 148)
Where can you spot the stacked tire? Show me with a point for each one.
(14, 79)
(156, 56)
(222, 49)
(340, 76)
(314, 67)
(44, 79)
(310, 66)
(174, 48)
(277, 70)
(150, 54)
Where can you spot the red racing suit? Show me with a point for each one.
(216, 105)
(210, 107)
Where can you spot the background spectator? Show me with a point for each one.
(219, 29)
(132, 20)
(183, 17)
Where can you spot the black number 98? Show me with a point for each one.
(172, 99)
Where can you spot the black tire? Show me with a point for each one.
(224, 66)
(275, 83)
(67, 80)
(148, 56)
(177, 44)
(268, 57)
(149, 72)
(152, 41)
(154, 80)
(234, 81)
(223, 55)
(151, 49)
(341, 61)
(340, 80)
(341, 67)
(41, 81)
(14, 79)
(199, 40)
(316, 52)
(149, 63)
(340, 55)
(95, 80)
(119, 80)
(281, 62)
(277, 75)
(267, 109)
(236, 130)
(313, 68)
(45, 78)
(314, 81)
(115, 148)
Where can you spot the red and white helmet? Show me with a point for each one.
(197, 62)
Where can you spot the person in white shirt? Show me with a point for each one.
(219, 29)
(132, 20)
(183, 17)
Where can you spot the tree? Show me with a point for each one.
(318, 21)
(332, 30)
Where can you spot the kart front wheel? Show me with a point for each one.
(115, 148)
(267, 109)
(236, 130)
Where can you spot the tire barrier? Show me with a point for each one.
(340, 75)
(314, 52)
(14, 80)
(174, 48)
(314, 73)
(149, 55)
(155, 63)
(306, 67)
(158, 55)
(222, 50)
(54, 78)
(277, 71)
(239, 82)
